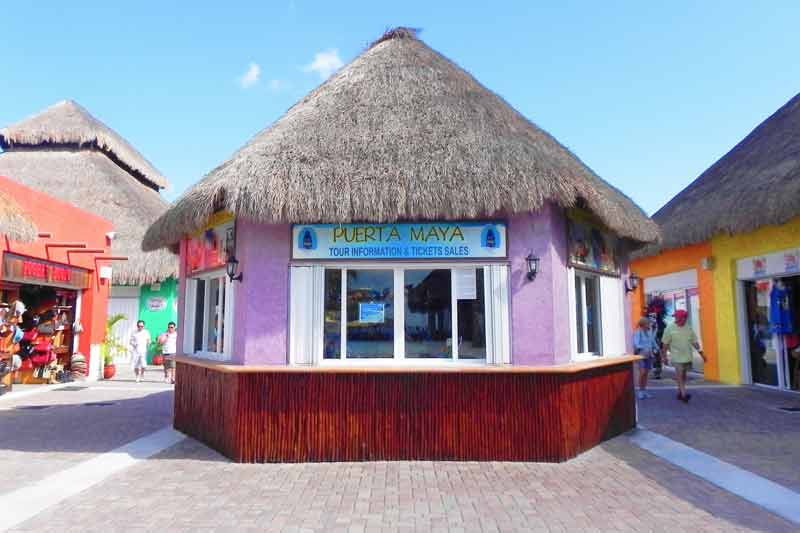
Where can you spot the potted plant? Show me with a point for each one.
(158, 353)
(111, 346)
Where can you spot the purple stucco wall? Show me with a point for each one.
(539, 308)
(261, 318)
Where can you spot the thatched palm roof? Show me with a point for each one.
(15, 223)
(67, 123)
(399, 133)
(90, 177)
(755, 184)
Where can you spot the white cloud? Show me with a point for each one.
(325, 63)
(250, 77)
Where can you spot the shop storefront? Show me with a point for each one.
(428, 332)
(52, 300)
(768, 308)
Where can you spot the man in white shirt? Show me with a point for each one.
(140, 340)
(169, 343)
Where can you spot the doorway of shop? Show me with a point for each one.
(773, 343)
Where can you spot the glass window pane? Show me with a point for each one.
(579, 313)
(199, 307)
(763, 356)
(370, 313)
(428, 314)
(333, 314)
(472, 320)
(592, 315)
(212, 311)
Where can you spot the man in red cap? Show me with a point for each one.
(678, 340)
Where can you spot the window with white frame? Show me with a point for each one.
(390, 314)
(587, 327)
(208, 316)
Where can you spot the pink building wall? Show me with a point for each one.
(261, 320)
(539, 308)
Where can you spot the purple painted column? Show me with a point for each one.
(262, 298)
(539, 308)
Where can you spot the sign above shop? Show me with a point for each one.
(209, 249)
(774, 264)
(591, 247)
(156, 303)
(37, 272)
(438, 240)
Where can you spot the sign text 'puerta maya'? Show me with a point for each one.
(437, 240)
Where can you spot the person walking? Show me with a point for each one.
(678, 340)
(169, 347)
(140, 340)
(644, 345)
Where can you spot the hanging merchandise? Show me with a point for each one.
(781, 318)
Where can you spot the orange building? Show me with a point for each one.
(58, 281)
(730, 256)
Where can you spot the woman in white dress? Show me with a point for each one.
(140, 340)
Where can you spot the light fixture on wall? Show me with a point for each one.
(533, 266)
(632, 283)
(231, 267)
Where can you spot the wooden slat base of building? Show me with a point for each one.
(479, 414)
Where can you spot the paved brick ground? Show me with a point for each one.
(56, 429)
(615, 487)
(740, 425)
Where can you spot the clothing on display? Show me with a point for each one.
(780, 309)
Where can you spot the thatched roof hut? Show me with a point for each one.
(401, 133)
(757, 183)
(67, 153)
(15, 223)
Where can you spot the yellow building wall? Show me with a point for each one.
(726, 251)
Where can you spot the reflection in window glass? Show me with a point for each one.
(213, 315)
(333, 314)
(428, 314)
(592, 314)
(472, 318)
(370, 313)
(199, 307)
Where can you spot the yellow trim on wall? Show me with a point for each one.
(727, 251)
(217, 219)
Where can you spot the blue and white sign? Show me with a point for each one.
(438, 240)
(371, 313)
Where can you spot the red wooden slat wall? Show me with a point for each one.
(368, 416)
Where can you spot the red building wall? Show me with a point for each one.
(66, 223)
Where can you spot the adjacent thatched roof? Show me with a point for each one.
(14, 221)
(89, 177)
(399, 133)
(755, 184)
(67, 123)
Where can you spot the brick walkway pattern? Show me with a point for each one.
(615, 487)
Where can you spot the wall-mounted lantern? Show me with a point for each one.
(632, 283)
(533, 266)
(231, 267)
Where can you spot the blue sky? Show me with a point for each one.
(648, 94)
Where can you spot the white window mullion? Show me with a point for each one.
(584, 315)
(454, 340)
(343, 348)
(218, 306)
(399, 314)
(204, 310)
